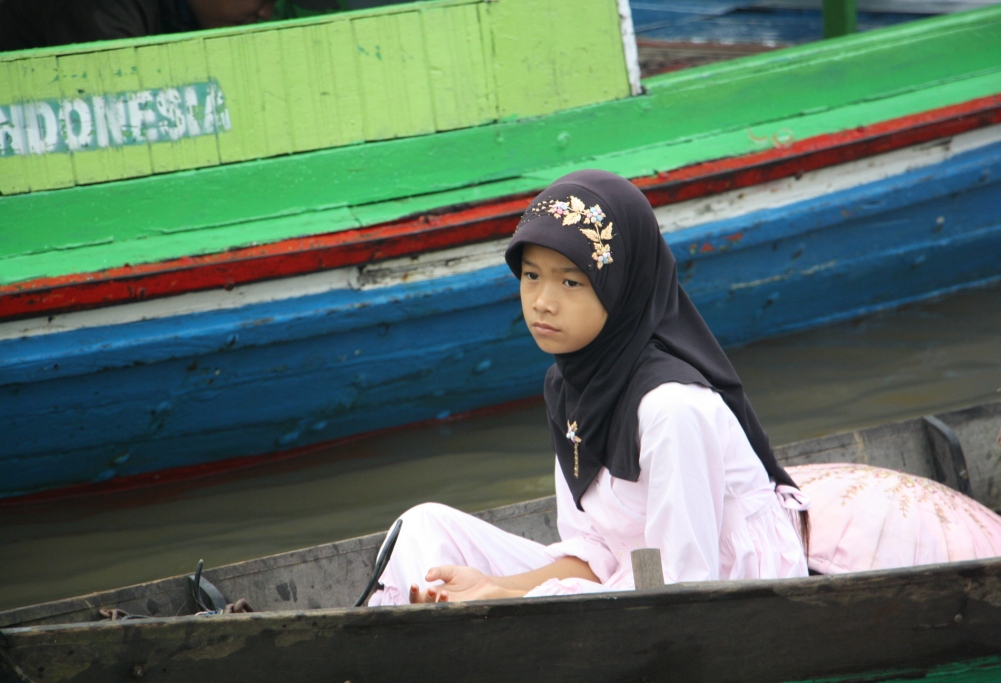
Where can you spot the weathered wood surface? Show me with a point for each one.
(334, 574)
(905, 446)
(748, 632)
(648, 570)
(324, 576)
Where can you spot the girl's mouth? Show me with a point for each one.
(544, 329)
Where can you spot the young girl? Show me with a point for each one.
(656, 444)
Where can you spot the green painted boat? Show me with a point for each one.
(222, 248)
(937, 622)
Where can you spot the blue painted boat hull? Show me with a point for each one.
(92, 404)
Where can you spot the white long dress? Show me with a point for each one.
(703, 498)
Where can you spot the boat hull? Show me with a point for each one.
(195, 305)
(943, 617)
(160, 389)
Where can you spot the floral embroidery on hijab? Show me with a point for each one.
(573, 212)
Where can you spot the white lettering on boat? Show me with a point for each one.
(115, 120)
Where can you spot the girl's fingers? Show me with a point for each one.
(443, 573)
(437, 594)
(433, 594)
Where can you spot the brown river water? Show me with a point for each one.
(924, 358)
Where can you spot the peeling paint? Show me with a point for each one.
(288, 591)
(758, 283)
(819, 267)
(214, 647)
(65, 668)
(112, 120)
(287, 638)
(988, 591)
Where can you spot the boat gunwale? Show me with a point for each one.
(949, 612)
(682, 593)
(301, 556)
(470, 223)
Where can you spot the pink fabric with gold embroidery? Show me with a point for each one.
(866, 517)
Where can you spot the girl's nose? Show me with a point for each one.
(544, 303)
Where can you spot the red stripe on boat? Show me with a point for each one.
(489, 220)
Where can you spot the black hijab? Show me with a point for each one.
(653, 334)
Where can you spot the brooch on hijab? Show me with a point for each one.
(574, 439)
(573, 212)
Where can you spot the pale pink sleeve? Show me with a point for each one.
(682, 461)
(578, 536)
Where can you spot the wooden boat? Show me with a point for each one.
(679, 34)
(318, 252)
(939, 622)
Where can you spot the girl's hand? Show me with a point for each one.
(461, 583)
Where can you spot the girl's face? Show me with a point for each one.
(561, 309)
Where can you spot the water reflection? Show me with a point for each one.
(925, 358)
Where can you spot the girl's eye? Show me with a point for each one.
(529, 275)
(571, 283)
